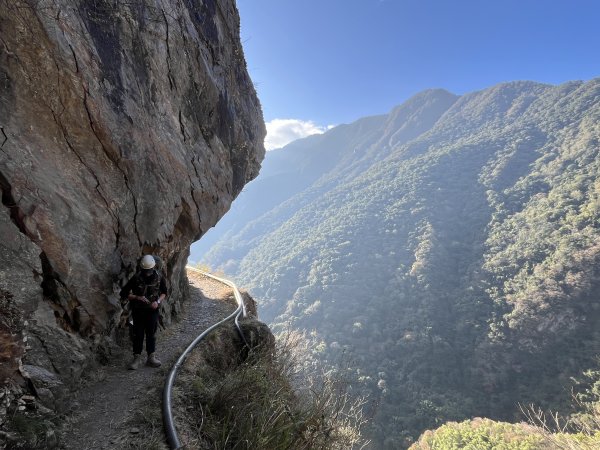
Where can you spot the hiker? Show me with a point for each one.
(145, 291)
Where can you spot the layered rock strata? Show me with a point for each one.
(125, 128)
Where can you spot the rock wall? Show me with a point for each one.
(125, 128)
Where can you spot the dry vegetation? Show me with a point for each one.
(11, 341)
(270, 399)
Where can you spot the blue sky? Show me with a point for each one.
(319, 63)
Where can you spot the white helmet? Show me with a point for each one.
(148, 262)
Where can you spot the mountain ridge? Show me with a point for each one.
(464, 258)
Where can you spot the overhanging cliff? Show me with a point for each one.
(126, 127)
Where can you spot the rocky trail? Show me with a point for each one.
(120, 408)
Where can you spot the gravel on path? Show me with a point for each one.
(105, 411)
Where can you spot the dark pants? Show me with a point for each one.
(145, 322)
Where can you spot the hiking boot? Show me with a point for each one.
(152, 361)
(136, 363)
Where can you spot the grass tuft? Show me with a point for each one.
(266, 401)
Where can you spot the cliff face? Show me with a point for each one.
(126, 127)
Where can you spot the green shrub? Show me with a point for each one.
(482, 434)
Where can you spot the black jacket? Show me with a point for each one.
(151, 288)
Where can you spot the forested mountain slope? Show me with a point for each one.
(291, 170)
(452, 251)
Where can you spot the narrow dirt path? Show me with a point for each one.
(120, 408)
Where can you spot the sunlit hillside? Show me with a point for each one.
(449, 248)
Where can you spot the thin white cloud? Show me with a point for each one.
(281, 132)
